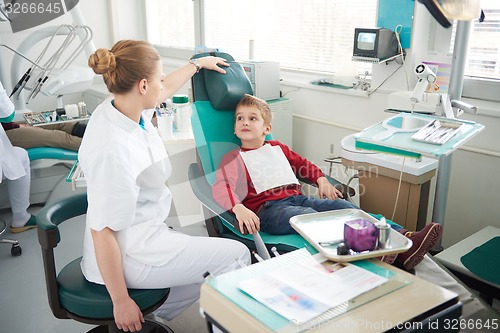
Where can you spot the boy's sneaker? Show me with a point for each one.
(389, 258)
(423, 241)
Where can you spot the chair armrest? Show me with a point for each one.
(203, 191)
(48, 220)
(52, 215)
(347, 191)
(37, 153)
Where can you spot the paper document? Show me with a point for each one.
(310, 288)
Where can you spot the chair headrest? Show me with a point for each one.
(226, 90)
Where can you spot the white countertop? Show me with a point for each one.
(451, 256)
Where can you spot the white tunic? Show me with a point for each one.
(10, 166)
(126, 168)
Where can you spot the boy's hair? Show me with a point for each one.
(260, 104)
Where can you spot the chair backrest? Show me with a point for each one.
(215, 98)
(48, 220)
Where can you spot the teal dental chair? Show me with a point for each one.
(70, 295)
(45, 184)
(215, 98)
(49, 168)
(39, 153)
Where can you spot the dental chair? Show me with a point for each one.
(49, 168)
(215, 97)
(70, 295)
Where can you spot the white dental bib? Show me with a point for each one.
(268, 168)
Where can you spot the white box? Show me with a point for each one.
(264, 77)
(282, 122)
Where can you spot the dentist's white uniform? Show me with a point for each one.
(126, 168)
(14, 165)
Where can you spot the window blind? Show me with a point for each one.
(170, 23)
(309, 35)
(483, 56)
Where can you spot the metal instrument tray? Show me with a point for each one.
(323, 231)
(438, 132)
(47, 118)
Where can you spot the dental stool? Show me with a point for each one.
(70, 295)
(15, 250)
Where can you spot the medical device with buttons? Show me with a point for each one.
(264, 77)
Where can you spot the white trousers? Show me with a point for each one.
(184, 273)
(19, 189)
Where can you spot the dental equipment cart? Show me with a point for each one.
(413, 135)
(378, 171)
(425, 304)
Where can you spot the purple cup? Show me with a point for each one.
(361, 235)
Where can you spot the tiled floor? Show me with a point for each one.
(24, 305)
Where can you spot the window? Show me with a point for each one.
(483, 56)
(170, 23)
(482, 71)
(308, 35)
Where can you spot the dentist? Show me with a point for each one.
(127, 243)
(15, 170)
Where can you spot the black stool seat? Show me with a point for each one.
(91, 300)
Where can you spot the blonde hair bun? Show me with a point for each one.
(102, 61)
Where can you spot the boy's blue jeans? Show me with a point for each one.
(275, 215)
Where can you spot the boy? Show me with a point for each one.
(258, 183)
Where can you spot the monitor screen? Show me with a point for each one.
(366, 41)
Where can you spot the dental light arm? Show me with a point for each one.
(3, 14)
(63, 79)
(425, 77)
(466, 107)
(450, 108)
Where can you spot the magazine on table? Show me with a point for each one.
(310, 288)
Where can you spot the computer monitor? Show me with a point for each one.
(374, 44)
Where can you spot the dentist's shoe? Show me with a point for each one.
(27, 226)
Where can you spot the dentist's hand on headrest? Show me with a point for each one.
(327, 190)
(213, 63)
